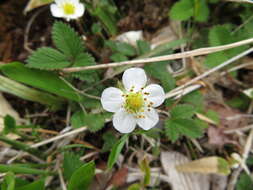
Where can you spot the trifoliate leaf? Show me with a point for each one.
(182, 10)
(71, 162)
(187, 127)
(176, 127)
(182, 111)
(67, 40)
(48, 59)
(85, 59)
(171, 130)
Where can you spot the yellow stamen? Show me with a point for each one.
(69, 8)
(134, 102)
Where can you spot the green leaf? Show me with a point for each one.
(215, 59)
(44, 80)
(82, 177)
(135, 186)
(126, 49)
(114, 154)
(182, 10)
(201, 10)
(28, 93)
(9, 182)
(46, 58)
(244, 182)
(67, 40)
(213, 115)
(145, 168)
(159, 71)
(117, 57)
(196, 99)
(109, 141)
(176, 127)
(171, 130)
(182, 111)
(9, 124)
(108, 19)
(143, 47)
(221, 35)
(121, 47)
(188, 127)
(38, 185)
(71, 163)
(94, 122)
(85, 59)
(21, 170)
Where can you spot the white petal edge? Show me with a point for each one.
(156, 94)
(56, 11)
(150, 120)
(111, 99)
(134, 77)
(123, 121)
(79, 10)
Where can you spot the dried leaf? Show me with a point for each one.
(208, 165)
(130, 37)
(119, 178)
(179, 180)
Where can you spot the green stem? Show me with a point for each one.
(21, 146)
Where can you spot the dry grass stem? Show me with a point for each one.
(79, 130)
(207, 73)
(192, 53)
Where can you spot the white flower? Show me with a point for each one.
(134, 105)
(68, 9)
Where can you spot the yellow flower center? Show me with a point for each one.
(134, 102)
(69, 8)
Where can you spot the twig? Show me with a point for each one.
(28, 27)
(79, 130)
(197, 52)
(233, 178)
(229, 131)
(237, 68)
(63, 185)
(241, 1)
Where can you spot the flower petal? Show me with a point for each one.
(123, 121)
(79, 10)
(112, 99)
(56, 11)
(134, 77)
(150, 120)
(156, 94)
